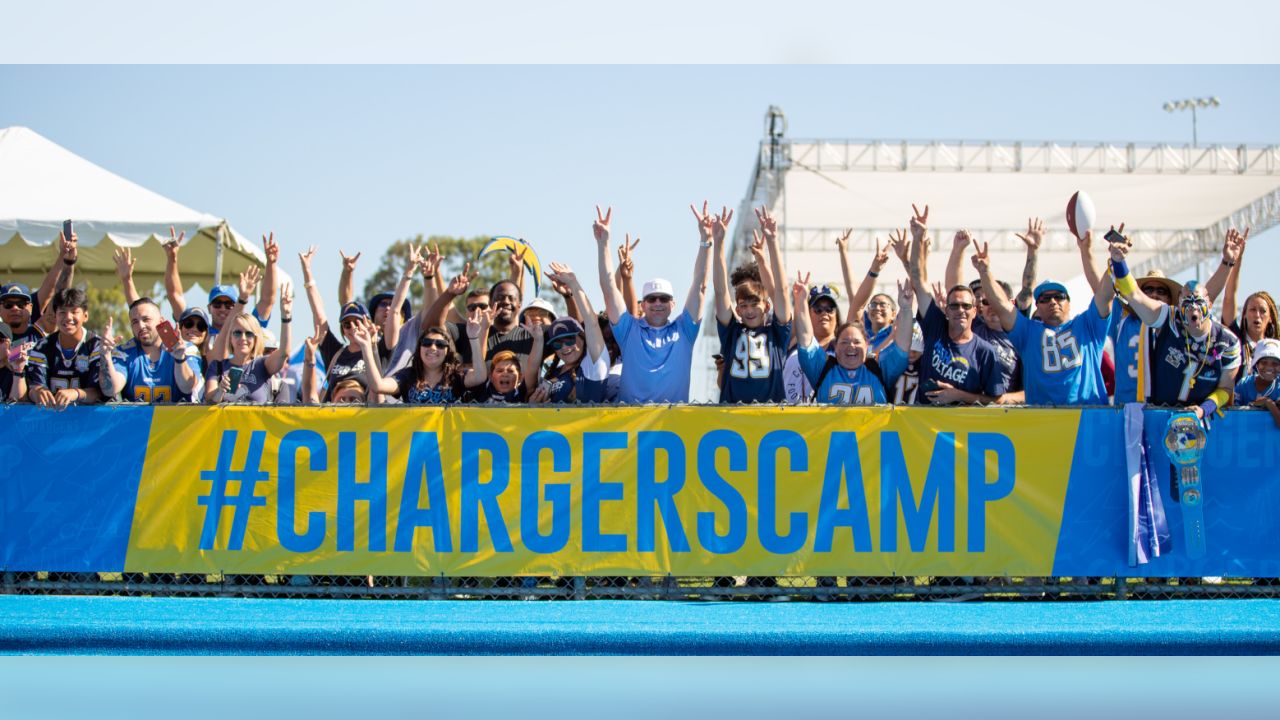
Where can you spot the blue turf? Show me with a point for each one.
(107, 625)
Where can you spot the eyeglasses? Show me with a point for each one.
(658, 299)
(222, 304)
(241, 334)
(434, 343)
(11, 304)
(563, 343)
(472, 307)
(960, 306)
(1150, 290)
(878, 304)
(194, 324)
(823, 309)
(1051, 297)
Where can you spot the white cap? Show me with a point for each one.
(1266, 348)
(917, 337)
(269, 339)
(657, 286)
(541, 305)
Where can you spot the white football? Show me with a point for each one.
(1080, 214)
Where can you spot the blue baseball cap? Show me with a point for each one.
(194, 312)
(15, 290)
(564, 327)
(224, 291)
(819, 292)
(353, 309)
(1050, 285)
(406, 310)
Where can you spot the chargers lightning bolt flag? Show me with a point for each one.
(516, 246)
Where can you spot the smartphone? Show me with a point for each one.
(235, 374)
(66, 230)
(1115, 237)
(14, 355)
(168, 335)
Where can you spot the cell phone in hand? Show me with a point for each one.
(15, 354)
(168, 335)
(234, 373)
(66, 230)
(1115, 237)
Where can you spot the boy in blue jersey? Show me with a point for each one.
(753, 341)
(657, 351)
(1196, 358)
(143, 369)
(1261, 388)
(847, 377)
(1061, 355)
(957, 365)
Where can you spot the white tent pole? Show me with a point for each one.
(217, 254)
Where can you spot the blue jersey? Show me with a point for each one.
(146, 381)
(1063, 365)
(753, 360)
(1247, 390)
(52, 366)
(1186, 370)
(852, 387)
(1010, 363)
(1133, 368)
(972, 366)
(656, 360)
(411, 393)
(588, 382)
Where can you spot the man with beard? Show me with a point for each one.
(505, 334)
(143, 370)
(63, 369)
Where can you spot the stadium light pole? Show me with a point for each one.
(1192, 104)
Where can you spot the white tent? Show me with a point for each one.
(42, 184)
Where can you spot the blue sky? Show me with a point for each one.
(357, 157)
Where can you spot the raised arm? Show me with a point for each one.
(110, 380)
(1103, 292)
(1147, 309)
(267, 298)
(955, 262)
(124, 270)
(919, 271)
(858, 301)
(314, 298)
(904, 323)
(1033, 239)
(994, 294)
(709, 226)
(173, 289)
(362, 336)
(614, 304)
(625, 280)
(478, 322)
(1228, 274)
(846, 267)
(801, 327)
(432, 281)
(761, 255)
(564, 275)
(531, 373)
(781, 298)
(720, 282)
(392, 323)
(278, 357)
(515, 272)
(346, 280)
(309, 391)
(435, 315)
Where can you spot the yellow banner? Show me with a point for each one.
(602, 491)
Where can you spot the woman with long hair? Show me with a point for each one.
(579, 369)
(245, 376)
(435, 375)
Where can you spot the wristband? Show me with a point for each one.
(1125, 284)
(432, 276)
(1228, 264)
(706, 244)
(242, 301)
(68, 262)
(308, 286)
(1218, 398)
(286, 319)
(873, 274)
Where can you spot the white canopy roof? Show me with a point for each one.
(42, 184)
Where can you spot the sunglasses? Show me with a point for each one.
(658, 299)
(960, 306)
(241, 334)
(434, 343)
(1055, 297)
(823, 309)
(222, 304)
(11, 304)
(563, 343)
(194, 324)
(472, 307)
(1155, 290)
(878, 305)
(350, 324)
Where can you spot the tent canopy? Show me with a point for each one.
(42, 184)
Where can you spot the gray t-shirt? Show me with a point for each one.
(255, 382)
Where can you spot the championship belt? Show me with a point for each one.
(1184, 442)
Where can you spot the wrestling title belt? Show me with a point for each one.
(1184, 441)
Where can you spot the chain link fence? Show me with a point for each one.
(781, 589)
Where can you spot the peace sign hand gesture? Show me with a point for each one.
(842, 242)
(898, 241)
(982, 258)
(919, 222)
(601, 226)
(768, 225)
(706, 222)
(270, 248)
(800, 289)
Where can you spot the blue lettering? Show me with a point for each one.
(982, 492)
(287, 458)
(768, 491)
(373, 492)
(596, 491)
(558, 494)
(736, 534)
(477, 495)
(424, 461)
(843, 463)
(939, 489)
(650, 492)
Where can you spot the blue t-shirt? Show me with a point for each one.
(1185, 370)
(1063, 365)
(753, 359)
(1125, 332)
(587, 382)
(973, 366)
(1247, 390)
(656, 361)
(1010, 363)
(214, 330)
(852, 387)
(411, 394)
(146, 381)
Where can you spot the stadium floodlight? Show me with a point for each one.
(1192, 104)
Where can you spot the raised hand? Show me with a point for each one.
(757, 247)
(939, 295)
(880, 258)
(175, 243)
(271, 248)
(536, 329)
(842, 242)
(768, 225)
(982, 257)
(564, 275)
(349, 263)
(706, 222)
(459, 284)
(626, 259)
(919, 222)
(305, 259)
(720, 226)
(311, 344)
(286, 299)
(1035, 233)
(1233, 248)
(68, 248)
(601, 226)
(124, 263)
(906, 294)
(800, 290)
(478, 322)
(107, 343)
(961, 240)
(898, 241)
(249, 280)
(414, 261)
(430, 262)
(1119, 251)
(515, 259)
(361, 336)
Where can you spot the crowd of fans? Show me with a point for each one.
(782, 340)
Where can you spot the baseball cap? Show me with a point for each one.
(1266, 348)
(230, 292)
(818, 292)
(540, 304)
(269, 339)
(353, 309)
(15, 290)
(564, 327)
(1050, 286)
(657, 286)
(385, 297)
(917, 337)
(194, 312)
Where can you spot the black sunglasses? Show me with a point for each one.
(823, 309)
(472, 307)
(563, 343)
(435, 343)
(198, 325)
(11, 304)
(1046, 297)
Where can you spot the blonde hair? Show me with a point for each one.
(252, 325)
